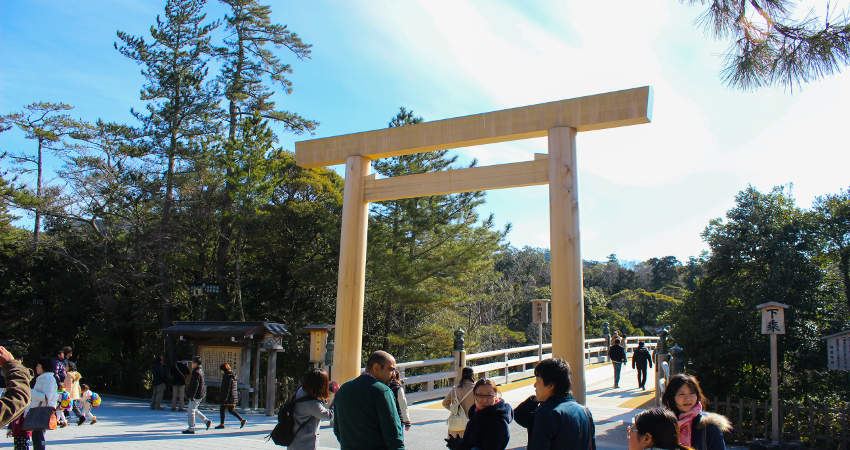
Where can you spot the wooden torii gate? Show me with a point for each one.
(559, 120)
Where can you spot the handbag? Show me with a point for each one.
(457, 416)
(40, 418)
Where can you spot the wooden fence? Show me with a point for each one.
(816, 426)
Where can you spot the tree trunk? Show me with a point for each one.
(844, 267)
(238, 280)
(36, 230)
(225, 235)
(164, 238)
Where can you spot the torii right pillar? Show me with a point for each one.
(567, 300)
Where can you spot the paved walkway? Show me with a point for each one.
(130, 425)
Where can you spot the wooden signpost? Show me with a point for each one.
(773, 324)
(560, 121)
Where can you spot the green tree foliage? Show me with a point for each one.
(47, 125)
(763, 251)
(831, 222)
(771, 45)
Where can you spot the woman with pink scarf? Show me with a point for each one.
(698, 429)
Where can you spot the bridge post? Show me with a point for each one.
(351, 284)
(459, 354)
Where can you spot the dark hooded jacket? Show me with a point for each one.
(524, 414)
(641, 358)
(229, 392)
(562, 423)
(487, 429)
(708, 429)
(197, 388)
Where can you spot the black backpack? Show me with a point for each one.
(284, 432)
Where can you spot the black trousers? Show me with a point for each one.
(231, 409)
(641, 374)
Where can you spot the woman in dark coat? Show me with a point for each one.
(487, 428)
(229, 396)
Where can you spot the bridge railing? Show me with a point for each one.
(433, 378)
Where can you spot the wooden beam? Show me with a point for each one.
(527, 173)
(351, 284)
(565, 253)
(594, 112)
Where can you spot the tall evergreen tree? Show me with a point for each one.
(178, 110)
(250, 71)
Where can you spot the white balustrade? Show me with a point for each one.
(510, 364)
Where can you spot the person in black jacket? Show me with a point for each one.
(487, 428)
(229, 395)
(524, 414)
(617, 355)
(639, 361)
(158, 377)
(179, 373)
(196, 391)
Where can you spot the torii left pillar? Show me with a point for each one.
(351, 285)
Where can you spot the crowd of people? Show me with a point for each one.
(188, 384)
(369, 412)
(34, 402)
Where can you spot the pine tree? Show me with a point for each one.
(48, 126)
(769, 46)
(179, 108)
(250, 69)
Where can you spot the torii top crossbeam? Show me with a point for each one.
(593, 112)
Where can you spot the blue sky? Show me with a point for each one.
(646, 190)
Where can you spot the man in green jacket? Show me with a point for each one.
(365, 415)
(16, 397)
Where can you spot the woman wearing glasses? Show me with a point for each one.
(487, 428)
(697, 429)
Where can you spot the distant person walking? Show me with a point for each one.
(158, 376)
(44, 393)
(68, 353)
(397, 387)
(458, 402)
(487, 428)
(654, 428)
(196, 391)
(310, 408)
(617, 355)
(697, 429)
(230, 395)
(179, 374)
(560, 422)
(365, 414)
(640, 359)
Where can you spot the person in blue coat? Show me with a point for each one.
(560, 422)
